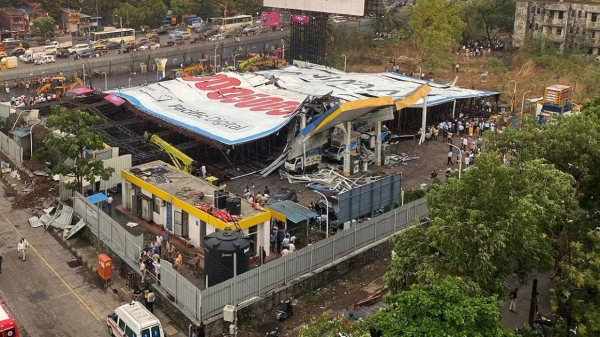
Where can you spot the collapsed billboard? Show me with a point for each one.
(343, 7)
(223, 107)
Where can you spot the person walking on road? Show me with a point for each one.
(109, 203)
(512, 296)
(22, 248)
(449, 158)
(150, 301)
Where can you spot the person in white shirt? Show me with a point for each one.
(20, 250)
(467, 162)
(109, 203)
(156, 265)
(291, 247)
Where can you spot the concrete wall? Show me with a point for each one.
(520, 29)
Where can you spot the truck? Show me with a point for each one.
(368, 139)
(32, 54)
(338, 146)
(62, 42)
(310, 160)
(9, 62)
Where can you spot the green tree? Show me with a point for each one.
(52, 6)
(153, 11)
(436, 27)
(325, 326)
(43, 26)
(128, 15)
(386, 22)
(486, 231)
(180, 7)
(495, 15)
(77, 136)
(452, 307)
(249, 7)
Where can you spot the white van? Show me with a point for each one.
(134, 319)
(51, 50)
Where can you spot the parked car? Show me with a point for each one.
(9, 40)
(332, 204)
(142, 41)
(161, 31)
(44, 60)
(100, 46)
(174, 35)
(202, 29)
(113, 45)
(281, 195)
(178, 40)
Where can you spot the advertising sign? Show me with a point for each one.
(300, 18)
(269, 18)
(223, 107)
(161, 70)
(342, 7)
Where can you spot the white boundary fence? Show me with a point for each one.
(11, 148)
(207, 303)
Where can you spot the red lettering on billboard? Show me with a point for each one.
(224, 89)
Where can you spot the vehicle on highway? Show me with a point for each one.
(338, 19)
(17, 51)
(100, 46)
(129, 47)
(265, 29)
(210, 33)
(216, 37)
(62, 53)
(78, 47)
(251, 29)
(32, 54)
(61, 41)
(9, 40)
(150, 46)
(116, 35)
(281, 195)
(9, 62)
(142, 41)
(51, 50)
(202, 29)
(113, 45)
(161, 31)
(178, 40)
(44, 60)
(333, 205)
(84, 54)
(186, 35)
(174, 35)
(234, 22)
(153, 38)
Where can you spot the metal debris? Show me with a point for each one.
(330, 179)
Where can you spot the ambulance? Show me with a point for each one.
(8, 327)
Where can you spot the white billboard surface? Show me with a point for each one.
(344, 7)
(223, 107)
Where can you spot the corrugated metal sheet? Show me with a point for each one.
(35, 222)
(292, 211)
(64, 218)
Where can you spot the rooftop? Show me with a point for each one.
(184, 186)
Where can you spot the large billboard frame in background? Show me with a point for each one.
(343, 7)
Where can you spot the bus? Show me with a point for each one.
(232, 23)
(8, 327)
(116, 35)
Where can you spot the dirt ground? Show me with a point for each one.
(355, 286)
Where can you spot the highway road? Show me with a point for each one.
(120, 64)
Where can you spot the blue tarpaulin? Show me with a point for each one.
(97, 198)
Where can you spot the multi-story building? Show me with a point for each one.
(74, 22)
(563, 23)
(18, 20)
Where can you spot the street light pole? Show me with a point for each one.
(235, 65)
(459, 159)
(326, 213)
(216, 47)
(283, 49)
(105, 82)
(121, 26)
(523, 104)
(344, 62)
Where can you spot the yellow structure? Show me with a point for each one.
(57, 85)
(161, 193)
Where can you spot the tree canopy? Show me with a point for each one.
(76, 136)
(43, 26)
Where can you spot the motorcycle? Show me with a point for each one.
(285, 312)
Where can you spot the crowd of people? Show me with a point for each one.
(255, 197)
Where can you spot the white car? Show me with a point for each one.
(175, 34)
(185, 35)
(149, 46)
(78, 48)
(8, 40)
(44, 60)
(216, 37)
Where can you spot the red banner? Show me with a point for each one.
(269, 18)
(300, 18)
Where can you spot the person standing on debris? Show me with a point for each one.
(150, 301)
(109, 204)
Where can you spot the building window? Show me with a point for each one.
(561, 15)
(558, 31)
(572, 14)
(157, 202)
(551, 15)
(536, 27)
(579, 14)
(594, 17)
(538, 10)
(571, 29)
(593, 35)
(533, 10)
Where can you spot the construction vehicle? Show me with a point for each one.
(58, 85)
(181, 160)
(196, 69)
(261, 61)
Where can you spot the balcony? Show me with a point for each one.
(555, 21)
(589, 24)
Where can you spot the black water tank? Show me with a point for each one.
(221, 199)
(234, 206)
(220, 246)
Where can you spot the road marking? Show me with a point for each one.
(71, 290)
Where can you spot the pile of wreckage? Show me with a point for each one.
(329, 180)
(60, 217)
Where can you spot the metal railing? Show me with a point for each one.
(201, 305)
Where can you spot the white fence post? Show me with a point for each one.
(259, 268)
(285, 270)
(312, 249)
(395, 219)
(374, 223)
(354, 236)
(333, 249)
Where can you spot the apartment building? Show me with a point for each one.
(563, 23)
